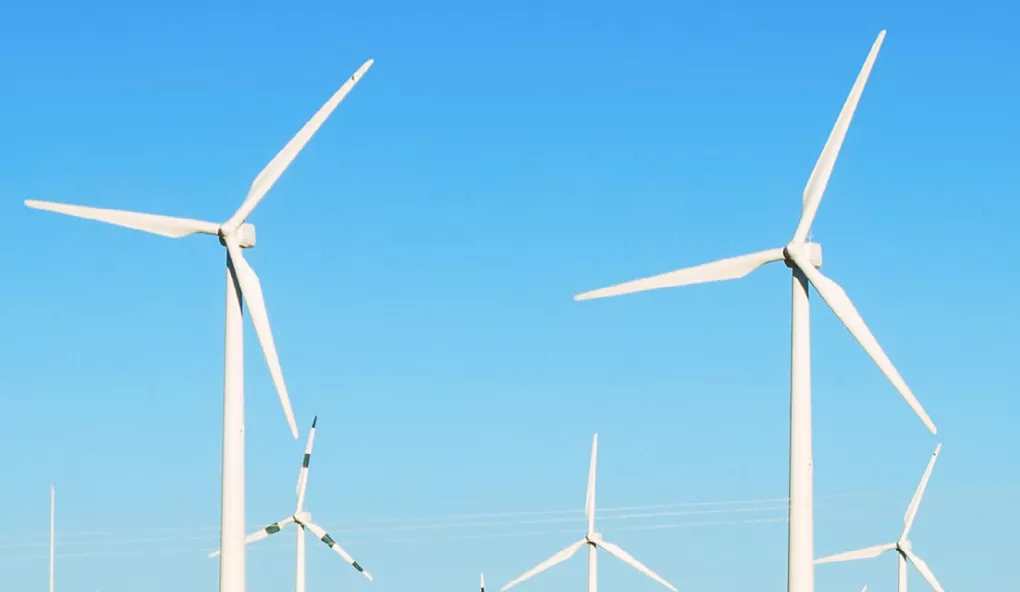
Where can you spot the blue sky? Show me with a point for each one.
(419, 259)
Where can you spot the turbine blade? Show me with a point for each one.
(924, 569)
(589, 502)
(724, 269)
(269, 175)
(868, 553)
(865, 588)
(823, 168)
(840, 303)
(561, 556)
(324, 537)
(302, 485)
(908, 518)
(483, 582)
(629, 560)
(153, 223)
(251, 289)
(262, 533)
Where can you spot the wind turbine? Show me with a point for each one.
(902, 546)
(303, 520)
(804, 258)
(53, 506)
(593, 539)
(235, 234)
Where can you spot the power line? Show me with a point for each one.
(403, 530)
(455, 520)
(405, 540)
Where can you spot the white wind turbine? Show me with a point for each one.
(593, 540)
(235, 234)
(303, 520)
(902, 546)
(53, 506)
(804, 258)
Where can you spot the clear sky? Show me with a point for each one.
(419, 259)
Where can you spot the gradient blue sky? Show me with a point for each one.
(419, 260)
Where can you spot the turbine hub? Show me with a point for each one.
(593, 538)
(245, 235)
(813, 252)
(903, 545)
(303, 517)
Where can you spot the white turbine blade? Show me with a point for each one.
(589, 501)
(262, 533)
(629, 560)
(324, 537)
(156, 224)
(840, 303)
(823, 168)
(269, 175)
(865, 588)
(302, 485)
(560, 557)
(908, 518)
(724, 269)
(251, 289)
(924, 569)
(868, 553)
(483, 582)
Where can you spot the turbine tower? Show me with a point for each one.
(235, 234)
(303, 520)
(902, 546)
(593, 540)
(53, 538)
(803, 258)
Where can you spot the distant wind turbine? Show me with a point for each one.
(303, 520)
(804, 258)
(902, 546)
(53, 538)
(594, 541)
(235, 234)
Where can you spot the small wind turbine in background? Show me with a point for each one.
(53, 538)
(593, 539)
(902, 546)
(303, 520)
(235, 234)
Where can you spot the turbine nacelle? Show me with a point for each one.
(303, 518)
(811, 251)
(593, 538)
(246, 236)
(904, 545)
